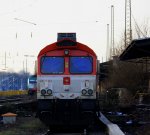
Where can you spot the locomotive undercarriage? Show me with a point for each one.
(67, 113)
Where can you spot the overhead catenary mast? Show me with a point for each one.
(112, 48)
(107, 48)
(128, 25)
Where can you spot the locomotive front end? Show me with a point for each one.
(66, 82)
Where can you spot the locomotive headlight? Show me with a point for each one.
(66, 52)
(43, 92)
(49, 92)
(90, 92)
(84, 91)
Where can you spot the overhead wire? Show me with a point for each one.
(20, 8)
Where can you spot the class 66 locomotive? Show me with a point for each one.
(67, 82)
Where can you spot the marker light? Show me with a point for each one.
(90, 92)
(66, 52)
(84, 91)
(43, 92)
(49, 92)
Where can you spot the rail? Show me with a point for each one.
(113, 129)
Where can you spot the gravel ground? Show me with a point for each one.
(23, 126)
(33, 126)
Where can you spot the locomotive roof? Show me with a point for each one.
(74, 45)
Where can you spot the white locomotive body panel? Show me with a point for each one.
(61, 91)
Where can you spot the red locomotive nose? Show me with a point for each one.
(66, 80)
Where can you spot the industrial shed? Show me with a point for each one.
(138, 51)
(139, 48)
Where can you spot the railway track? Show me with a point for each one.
(77, 133)
(14, 99)
(102, 127)
(10, 100)
(21, 105)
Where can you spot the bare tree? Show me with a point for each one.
(126, 74)
(142, 30)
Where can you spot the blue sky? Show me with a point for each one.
(88, 18)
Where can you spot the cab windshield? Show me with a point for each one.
(52, 65)
(81, 65)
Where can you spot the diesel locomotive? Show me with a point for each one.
(67, 83)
